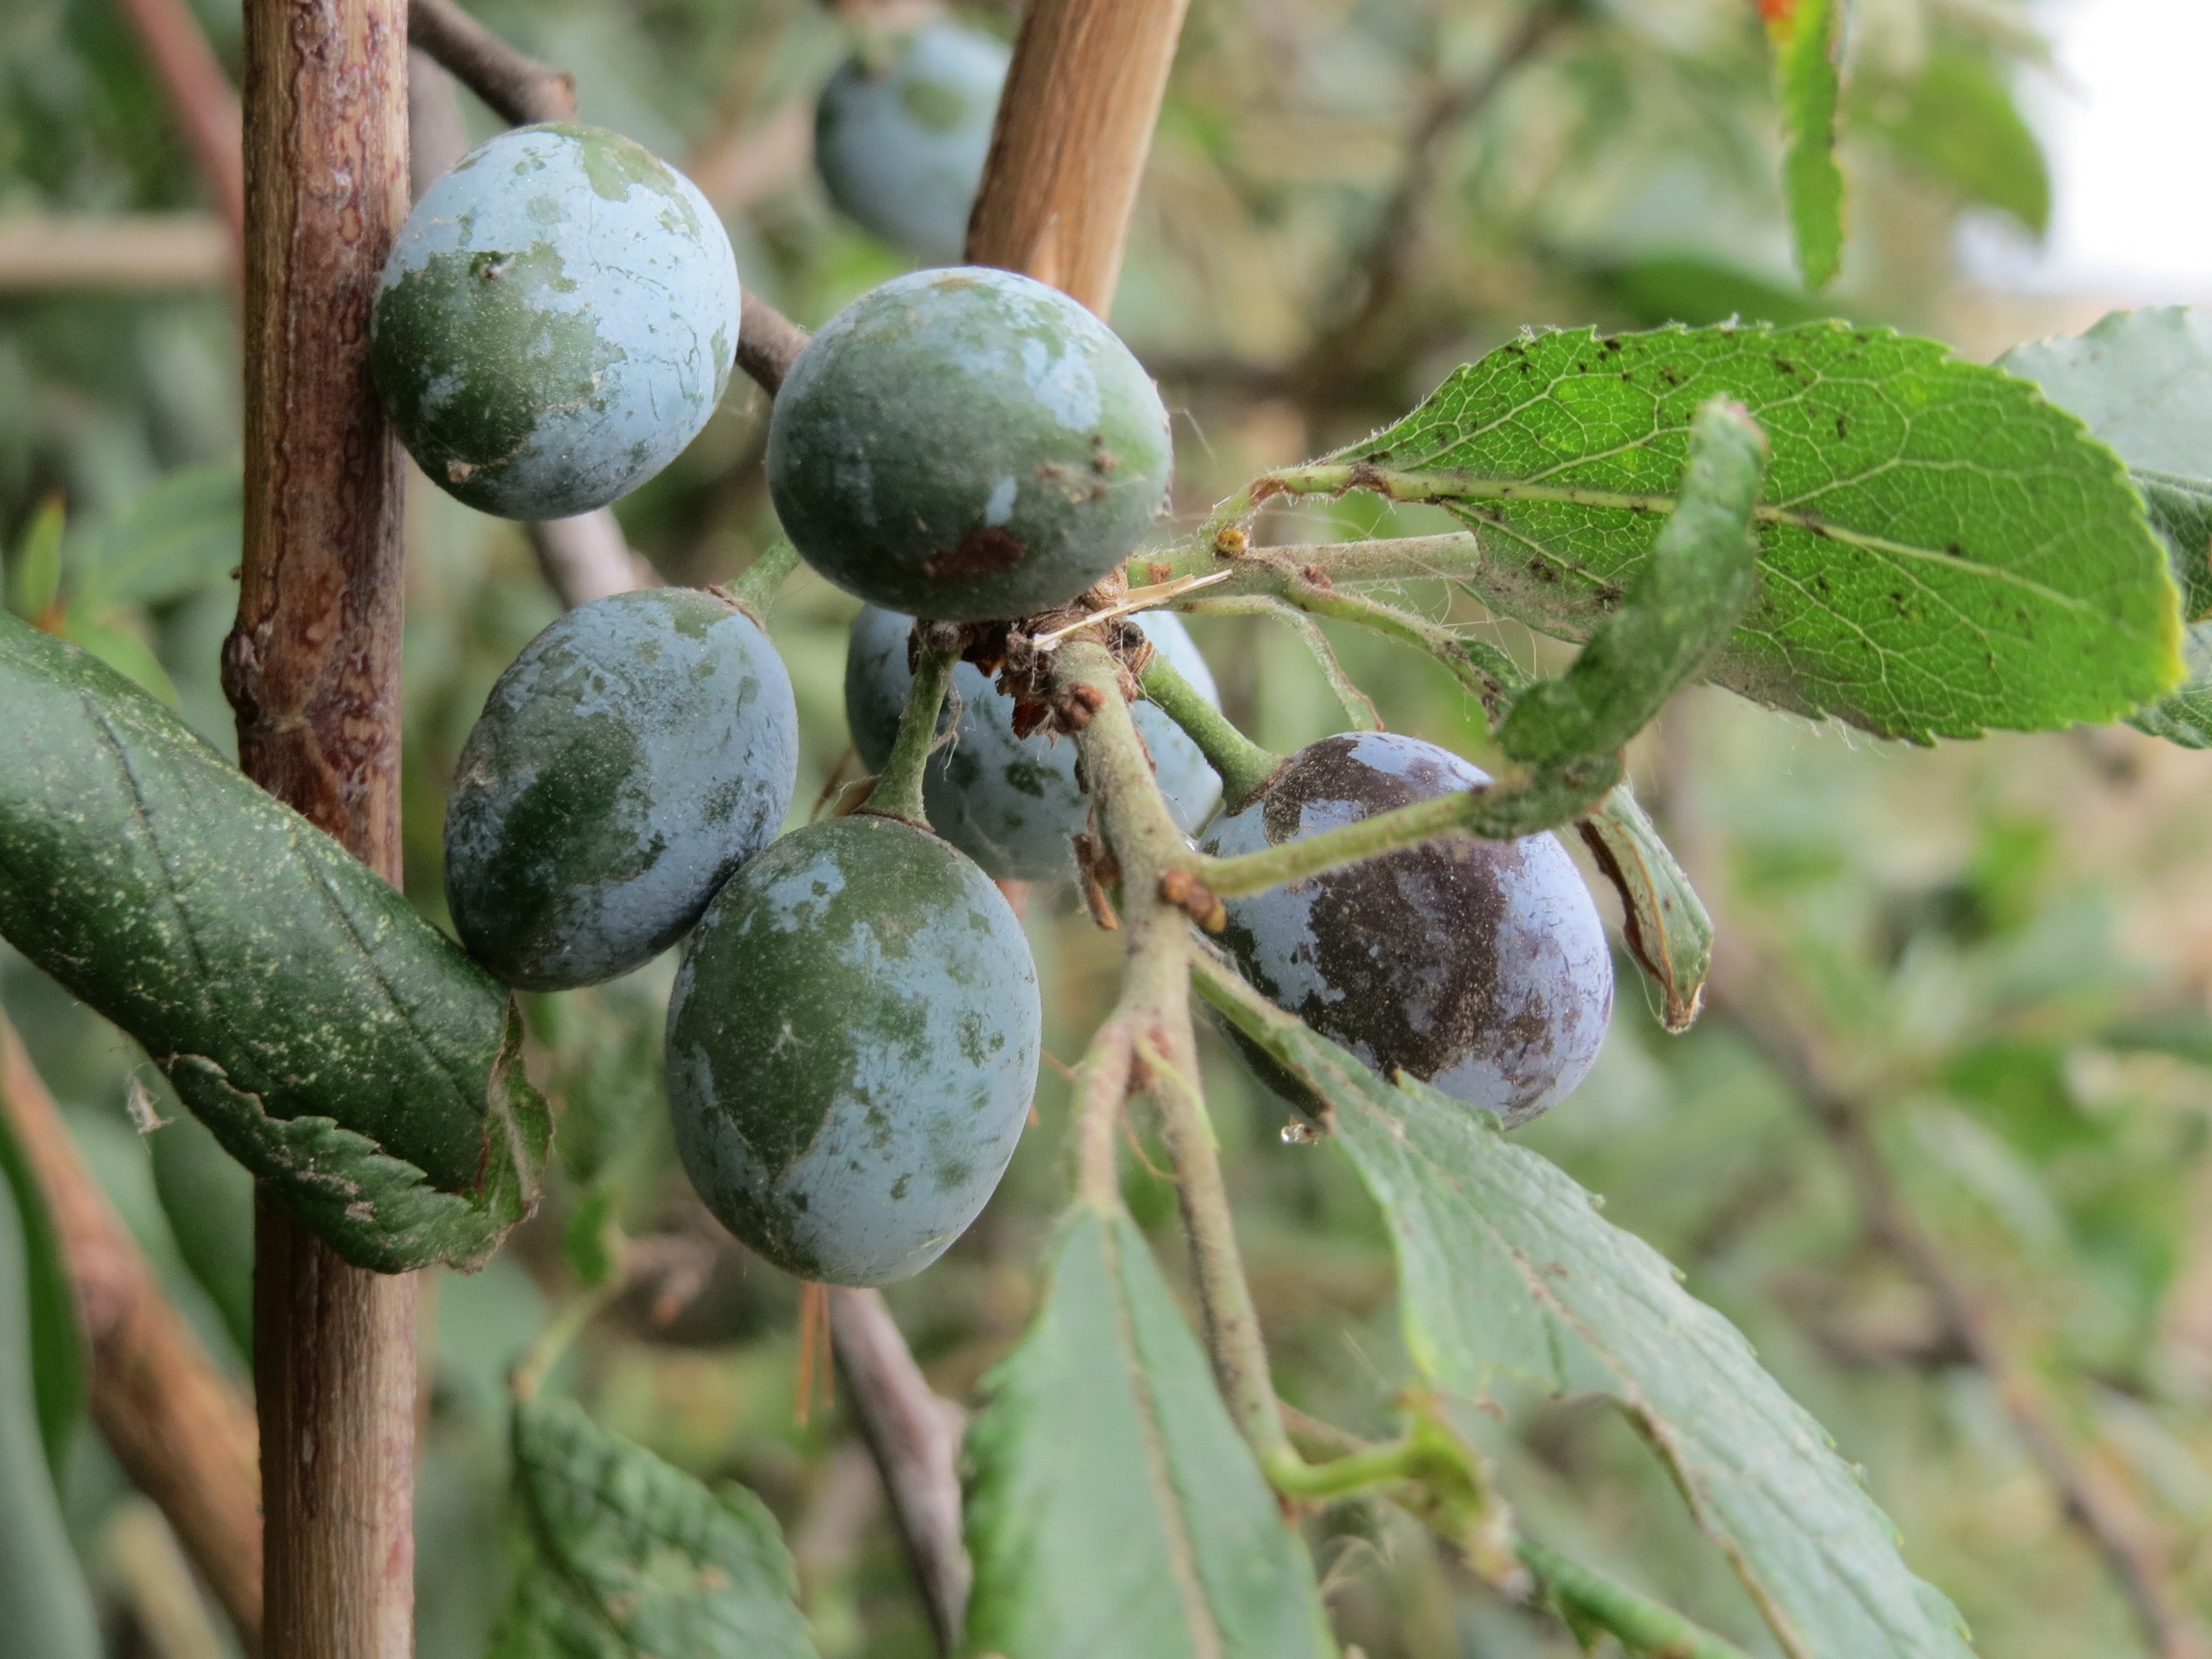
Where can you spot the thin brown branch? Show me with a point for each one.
(1753, 996)
(127, 251)
(182, 1430)
(200, 96)
(915, 1437)
(514, 85)
(1376, 275)
(768, 342)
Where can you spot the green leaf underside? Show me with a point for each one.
(338, 1046)
(1941, 551)
(2143, 382)
(1113, 1511)
(1685, 598)
(1806, 78)
(630, 1558)
(2184, 715)
(58, 1383)
(1505, 1265)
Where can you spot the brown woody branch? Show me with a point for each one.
(915, 1437)
(182, 1430)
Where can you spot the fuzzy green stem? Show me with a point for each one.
(1156, 1003)
(898, 793)
(1496, 811)
(553, 1338)
(754, 590)
(1359, 707)
(1484, 669)
(1586, 1597)
(1244, 766)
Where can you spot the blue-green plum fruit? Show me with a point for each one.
(556, 321)
(853, 1044)
(1479, 966)
(1011, 803)
(900, 137)
(967, 445)
(637, 753)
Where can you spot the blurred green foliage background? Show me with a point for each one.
(2000, 950)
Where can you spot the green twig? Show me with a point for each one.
(1359, 707)
(1244, 766)
(1156, 1004)
(1495, 811)
(1483, 670)
(898, 793)
(1588, 1599)
(553, 1338)
(754, 590)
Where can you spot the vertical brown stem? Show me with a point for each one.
(313, 670)
(1075, 124)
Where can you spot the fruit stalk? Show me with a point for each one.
(1243, 764)
(313, 670)
(899, 792)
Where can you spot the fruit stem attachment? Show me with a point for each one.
(1244, 766)
(753, 590)
(898, 793)
(1494, 811)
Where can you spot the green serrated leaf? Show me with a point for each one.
(36, 570)
(1941, 551)
(1663, 922)
(1957, 123)
(1807, 40)
(627, 1557)
(48, 1612)
(2143, 382)
(57, 1343)
(2184, 715)
(1677, 611)
(339, 1047)
(1505, 1265)
(1113, 1511)
(181, 535)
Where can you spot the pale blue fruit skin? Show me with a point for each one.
(853, 1045)
(901, 151)
(1011, 803)
(635, 754)
(967, 445)
(1480, 967)
(613, 340)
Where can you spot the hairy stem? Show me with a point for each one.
(754, 591)
(1244, 766)
(898, 793)
(1495, 811)
(1585, 1596)
(1155, 1005)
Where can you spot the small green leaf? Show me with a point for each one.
(339, 1047)
(1665, 923)
(1807, 40)
(2142, 381)
(1505, 1265)
(49, 1613)
(1114, 1512)
(626, 1557)
(56, 1345)
(590, 1239)
(181, 535)
(37, 565)
(1940, 551)
(1957, 124)
(1682, 288)
(1677, 611)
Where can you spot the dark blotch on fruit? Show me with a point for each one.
(1479, 966)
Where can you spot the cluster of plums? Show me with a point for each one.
(853, 1038)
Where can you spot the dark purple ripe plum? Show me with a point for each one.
(1480, 967)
